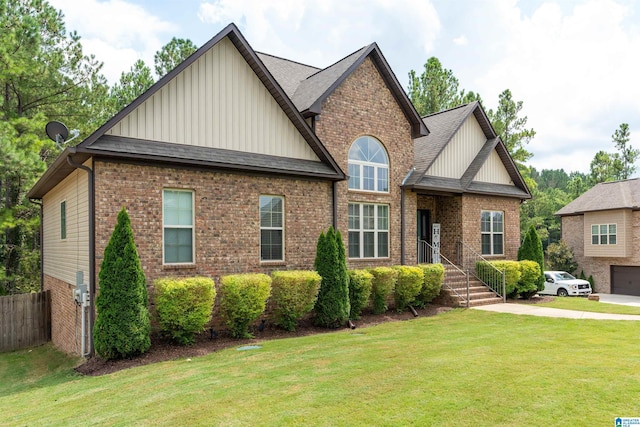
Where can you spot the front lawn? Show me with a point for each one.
(463, 367)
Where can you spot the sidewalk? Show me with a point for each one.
(532, 310)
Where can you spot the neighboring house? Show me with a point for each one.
(236, 161)
(602, 226)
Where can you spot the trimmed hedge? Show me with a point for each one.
(433, 279)
(243, 298)
(529, 274)
(184, 306)
(382, 284)
(122, 327)
(510, 268)
(293, 294)
(408, 285)
(359, 291)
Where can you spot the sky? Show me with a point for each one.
(574, 64)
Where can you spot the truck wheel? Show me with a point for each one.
(562, 292)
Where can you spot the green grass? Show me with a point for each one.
(464, 367)
(582, 304)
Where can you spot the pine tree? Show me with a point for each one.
(122, 327)
(531, 249)
(332, 305)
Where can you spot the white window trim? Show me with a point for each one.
(375, 231)
(192, 226)
(273, 228)
(608, 235)
(376, 168)
(492, 233)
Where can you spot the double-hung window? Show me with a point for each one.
(271, 228)
(368, 165)
(368, 230)
(178, 230)
(604, 234)
(492, 230)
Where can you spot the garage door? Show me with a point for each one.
(625, 280)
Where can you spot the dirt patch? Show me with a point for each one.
(163, 349)
(536, 299)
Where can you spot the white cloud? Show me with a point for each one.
(461, 40)
(116, 32)
(322, 32)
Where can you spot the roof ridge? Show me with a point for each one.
(289, 60)
(338, 61)
(449, 109)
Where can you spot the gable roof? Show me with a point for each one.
(94, 144)
(287, 73)
(444, 125)
(606, 196)
(314, 89)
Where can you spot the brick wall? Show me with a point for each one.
(65, 316)
(363, 105)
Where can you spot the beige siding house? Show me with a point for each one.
(236, 161)
(602, 226)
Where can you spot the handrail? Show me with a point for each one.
(427, 254)
(493, 277)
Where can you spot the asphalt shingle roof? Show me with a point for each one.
(287, 73)
(606, 196)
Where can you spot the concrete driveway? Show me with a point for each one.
(533, 310)
(620, 299)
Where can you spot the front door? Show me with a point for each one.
(424, 235)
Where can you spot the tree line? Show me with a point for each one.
(46, 75)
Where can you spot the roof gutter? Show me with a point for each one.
(92, 243)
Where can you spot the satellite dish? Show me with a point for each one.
(57, 131)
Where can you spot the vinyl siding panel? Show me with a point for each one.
(63, 257)
(218, 102)
(460, 152)
(493, 171)
(624, 226)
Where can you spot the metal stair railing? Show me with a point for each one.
(428, 254)
(491, 276)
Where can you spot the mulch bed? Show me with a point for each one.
(163, 349)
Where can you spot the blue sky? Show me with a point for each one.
(574, 63)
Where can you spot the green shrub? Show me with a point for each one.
(560, 257)
(184, 306)
(590, 280)
(359, 291)
(382, 284)
(243, 298)
(531, 250)
(511, 272)
(433, 279)
(293, 294)
(332, 306)
(529, 273)
(122, 327)
(582, 275)
(408, 285)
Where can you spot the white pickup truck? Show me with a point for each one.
(563, 284)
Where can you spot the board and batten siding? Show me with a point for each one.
(64, 257)
(219, 102)
(623, 218)
(460, 152)
(493, 171)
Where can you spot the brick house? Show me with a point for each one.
(602, 227)
(236, 161)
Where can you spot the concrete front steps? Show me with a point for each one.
(454, 290)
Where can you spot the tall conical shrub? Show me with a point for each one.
(332, 306)
(531, 250)
(122, 327)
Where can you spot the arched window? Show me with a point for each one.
(368, 165)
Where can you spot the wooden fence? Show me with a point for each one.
(25, 320)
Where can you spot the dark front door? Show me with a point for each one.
(424, 235)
